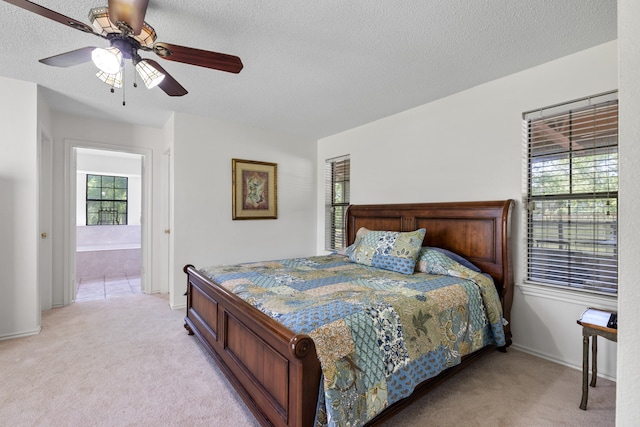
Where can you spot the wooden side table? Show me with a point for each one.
(590, 330)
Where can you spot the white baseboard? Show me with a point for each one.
(556, 360)
(20, 334)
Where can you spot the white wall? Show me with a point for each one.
(19, 301)
(203, 232)
(628, 387)
(468, 146)
(93, 133)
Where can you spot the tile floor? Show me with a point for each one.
(95, 288)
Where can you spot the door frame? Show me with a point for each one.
(45, 220)
(166, 251)
(70, 192)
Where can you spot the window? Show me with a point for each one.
(106, 200)
(572, 194)
(337, 194)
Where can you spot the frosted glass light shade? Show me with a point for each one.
(150, 76)
(113, 80)
(108, 60)
(147, 36)
(99, 17)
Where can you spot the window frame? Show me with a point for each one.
(337, 174)
(122, 214)
(588, 262)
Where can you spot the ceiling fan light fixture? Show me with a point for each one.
(108, 60)
(113, 80)
(147, 36)
(149, 74)
(99, 18)
(122, 24)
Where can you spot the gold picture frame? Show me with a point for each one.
(254, 189)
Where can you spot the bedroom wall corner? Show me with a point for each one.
(203, 230)
(20, 304)
(628, 387)
(468, 146)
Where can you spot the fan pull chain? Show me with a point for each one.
(123, 88)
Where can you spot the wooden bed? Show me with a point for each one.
(277, 372)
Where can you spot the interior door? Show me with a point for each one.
(45, 213)
(166, 269)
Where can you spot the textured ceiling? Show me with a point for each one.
(310, 68)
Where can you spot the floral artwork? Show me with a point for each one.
(255, 193)
(254, 189)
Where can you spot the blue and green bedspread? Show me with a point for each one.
(377, 333)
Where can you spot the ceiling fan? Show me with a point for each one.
(122, 24)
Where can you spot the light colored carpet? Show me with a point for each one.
(128, 361)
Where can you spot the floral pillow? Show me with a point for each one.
(454, 256)
(349, 250)
(438, 261)
(389, 250)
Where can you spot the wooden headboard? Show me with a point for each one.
(478, 231)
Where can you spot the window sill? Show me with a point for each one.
(588, 299)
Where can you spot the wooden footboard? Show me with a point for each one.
(277, 372)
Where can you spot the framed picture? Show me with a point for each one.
(254, 189)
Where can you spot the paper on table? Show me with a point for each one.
(595, 317)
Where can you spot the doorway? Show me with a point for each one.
(107, 232)
(108, 229)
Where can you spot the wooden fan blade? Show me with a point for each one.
(169, 85)
(67, 59)
(199, 57)
(48, 13)
(130, 11)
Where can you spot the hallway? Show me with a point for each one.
(96, 288)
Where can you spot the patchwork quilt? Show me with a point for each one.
(377, 333)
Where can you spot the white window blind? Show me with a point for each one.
(337, 196)
(572, 194)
